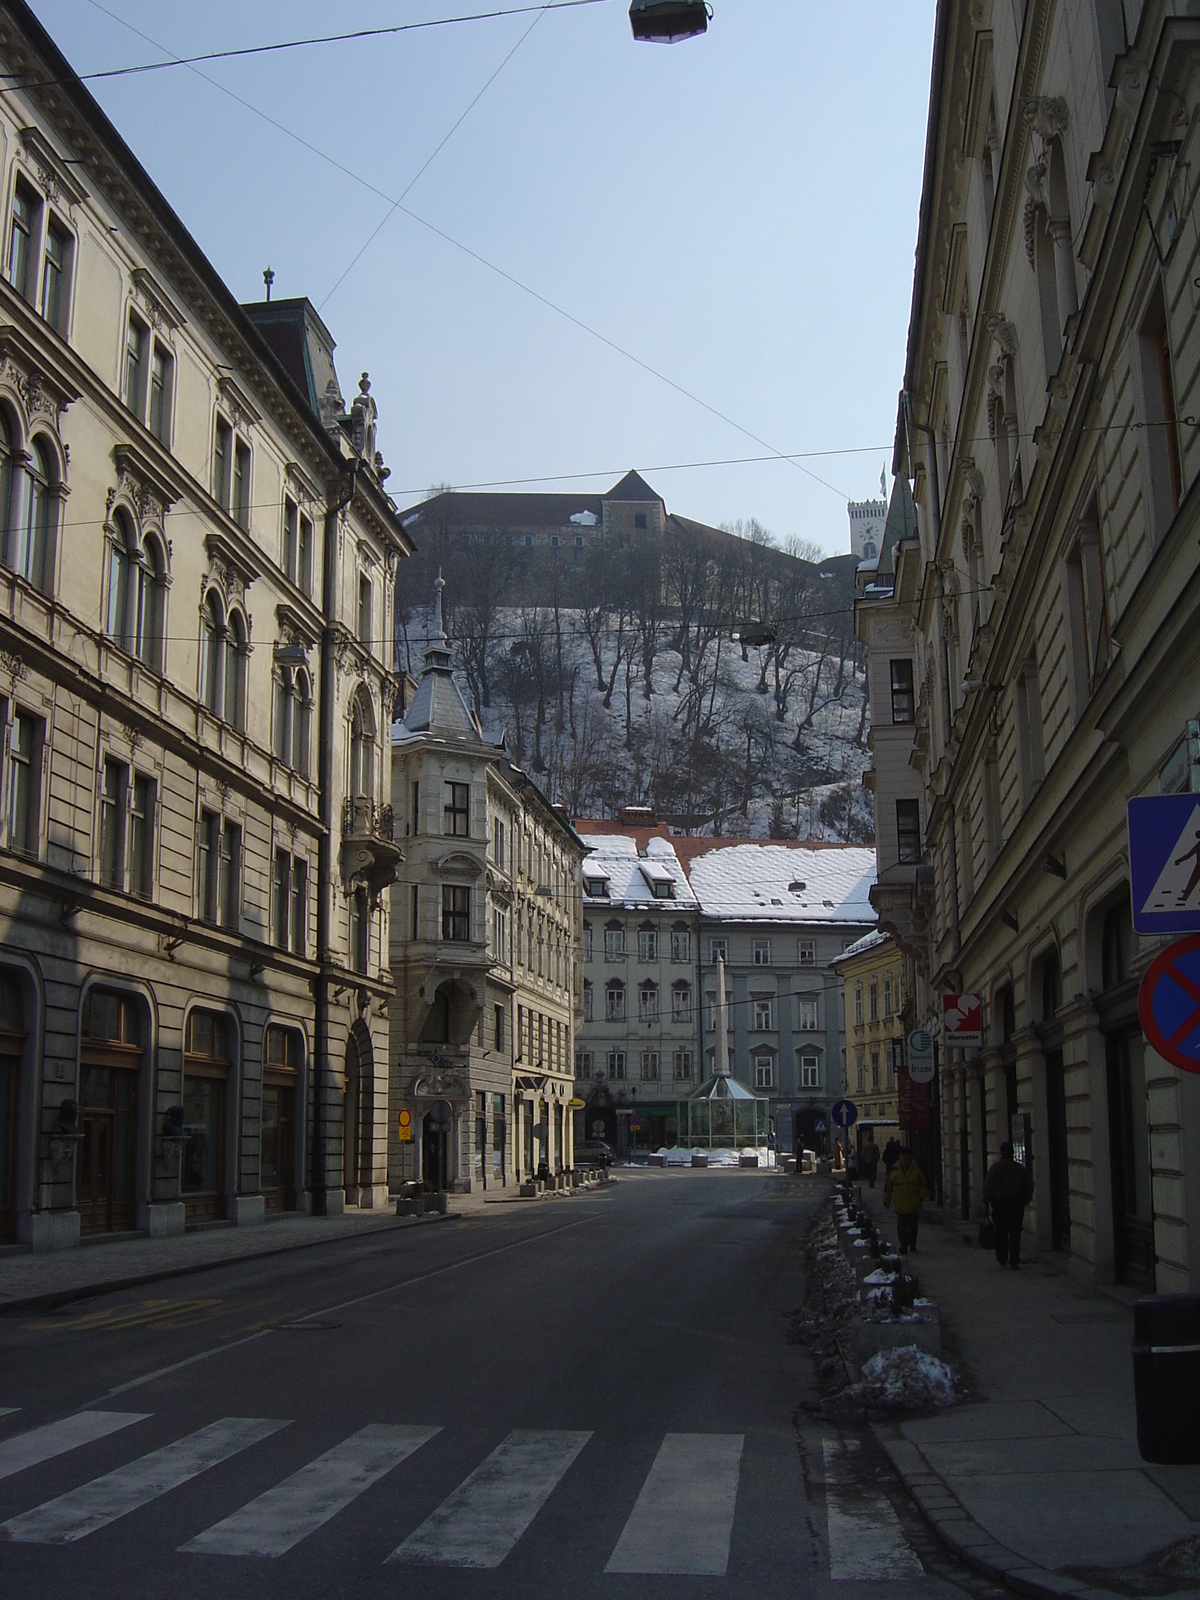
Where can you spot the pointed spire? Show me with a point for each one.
(437, 652)
(439, 630)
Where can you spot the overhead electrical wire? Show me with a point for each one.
(237, 52)
(483, 261)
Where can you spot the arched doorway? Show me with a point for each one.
(357, 1145)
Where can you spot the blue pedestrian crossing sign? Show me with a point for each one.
(1164, 863)
(845, 1113)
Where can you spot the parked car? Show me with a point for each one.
(593, 1153)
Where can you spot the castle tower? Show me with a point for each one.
(867, 519)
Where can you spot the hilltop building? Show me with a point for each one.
(867, 519)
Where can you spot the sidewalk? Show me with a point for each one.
(103, 1266)
(1035, 1478)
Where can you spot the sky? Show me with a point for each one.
(736, 214)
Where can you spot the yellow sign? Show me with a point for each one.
(576, 1105)
(404, 1127)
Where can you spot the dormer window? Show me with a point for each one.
(596, 888)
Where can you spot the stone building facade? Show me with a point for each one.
(1048, 603)
(486, 945)
(873, 998)
(198, 555)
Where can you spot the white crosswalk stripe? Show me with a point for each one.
(81, 1511)
(280, 1518)
(682, 1521)
(482, 1520)
(865, 1537)
(56, 1438)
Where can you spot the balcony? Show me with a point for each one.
(370, 854)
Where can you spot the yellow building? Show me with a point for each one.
(872, 971)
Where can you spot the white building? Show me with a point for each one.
(867, 518)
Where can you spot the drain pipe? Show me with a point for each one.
(326, 716)
(910, 423)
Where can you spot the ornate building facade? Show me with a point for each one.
(486, 931)
(195, 623)
(1034, 634)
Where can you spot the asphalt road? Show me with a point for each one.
(595, 1397)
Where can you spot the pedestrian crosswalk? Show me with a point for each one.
(679, 1522)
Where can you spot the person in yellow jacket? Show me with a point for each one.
(904, 1192)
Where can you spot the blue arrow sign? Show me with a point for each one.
(845, 1113)
(1164, 863)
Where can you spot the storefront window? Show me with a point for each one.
(206, 1064)
(283, 1056)
(106, 1164)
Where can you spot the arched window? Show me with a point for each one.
(211, 638)
(235, 671)
(120, 554)
(34, 538)
(362, 750)
(151, 605)
(301, 722)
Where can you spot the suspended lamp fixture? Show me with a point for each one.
(668, 21)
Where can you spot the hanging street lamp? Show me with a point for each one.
(668, 21)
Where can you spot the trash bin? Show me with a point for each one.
(1166, 1378)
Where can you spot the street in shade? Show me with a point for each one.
(437, 1412)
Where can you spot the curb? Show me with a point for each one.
(962, 1535)
(91, 1291)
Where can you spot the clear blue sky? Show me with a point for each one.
(738, 211)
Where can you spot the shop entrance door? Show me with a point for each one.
(207, 1060)
(278, 1154)
(105, 1176)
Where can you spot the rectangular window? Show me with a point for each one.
(648, 1004)
(498, 1031)
(807, 952)
(222, 457)
(887, 997)
(1160, 435)
(649, 1066)
(455, 811)
(764, 1013)
(710, 1010)
(810, 1076)
(299, 908)
(160, 393)
(304, 556)
(860, 1067)
(414, 911)
(587, 1001)
(806, 1012)
(141, 837)
(114, 780)
(498, 855)
(681, 944)
(717, 952)
(904, 705)
(282, 888)
(614, 1003)
(360, 930)
(135, 361)
(587, 941)
(873, 1000)
(231, 876)
(291, 538)
(415, 807)
(681, 1003)
(20, 248)
(239, 506)
(683, 1066)
(583, 1064)
(456, 913)
(875, 1067)
(616, 1066)
(908, 831)
(762, 952)
(207, 853)
(858, 1006)
(364, 609)
(54, 273)
(764, 1073)
(614, 944)
(647, 944)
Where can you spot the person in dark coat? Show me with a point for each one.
(1008, 1189)
(891, 1153)
(869, 1159)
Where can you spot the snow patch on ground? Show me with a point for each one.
(903, 1379)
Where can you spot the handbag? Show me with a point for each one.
(987, 1234)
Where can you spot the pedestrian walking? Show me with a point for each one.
(852, 1162)
(904, 1191)
(891, 1153)
(870, 1160)
(838, 1162)
(1008, 1189)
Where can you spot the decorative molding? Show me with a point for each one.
(156, 302)
(23, 366)
(13, 665)
(241, 410)
(294, 627)
(140, 484)
(58, 181)
(229, 568)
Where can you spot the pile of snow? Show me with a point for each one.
(904, 1379)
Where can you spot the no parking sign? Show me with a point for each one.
(1169, 1004)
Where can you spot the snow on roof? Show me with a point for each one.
(615, 857)
(869, 941)
(784, 883)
